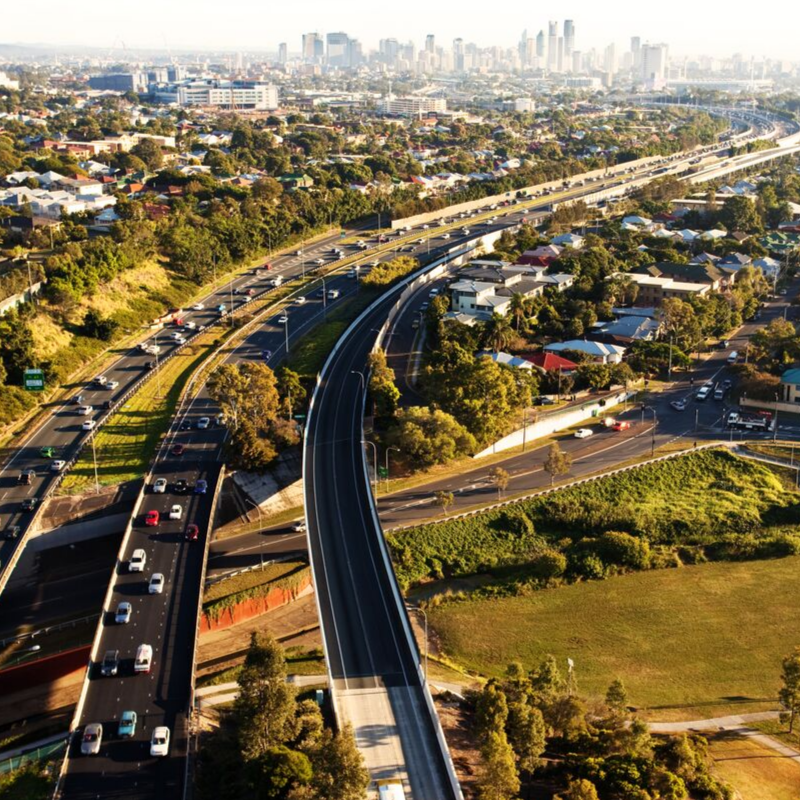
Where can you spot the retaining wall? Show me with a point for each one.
(43, 670)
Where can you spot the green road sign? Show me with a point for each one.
(33, 380)
(383, 472)
(299, 416)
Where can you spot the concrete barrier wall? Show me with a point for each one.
(43, 670)
(550, 423)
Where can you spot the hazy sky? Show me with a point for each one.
(688, 26)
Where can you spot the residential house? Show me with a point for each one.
(627, 329)
(653, 290)
(550, 362)
(706, 274)
(790, 386)
(598, 352)
(296, 180)
(770, 267)
(568, 240)
(478, 298)
(507, 359)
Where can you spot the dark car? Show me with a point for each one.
(192, 533)
(110, 664)
(12, 532)
(29, 504)
(77, 400)
(178, 449)
(201, 487)
(181, 486)
(26, 477)
(107, 404)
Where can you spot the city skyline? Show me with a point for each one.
(172, 28)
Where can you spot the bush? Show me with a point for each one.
(624, 550)
(548, 565)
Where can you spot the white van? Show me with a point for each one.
(733, 357)
(144, 658)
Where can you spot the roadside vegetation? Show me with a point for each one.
(707, 506)
(33, 782)
(273, 744)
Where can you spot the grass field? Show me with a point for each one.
(127, 442)
(247, 580)
(689, 643)
(756, 772)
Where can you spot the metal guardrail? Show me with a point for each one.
(41, 753)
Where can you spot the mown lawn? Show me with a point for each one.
(127, 442)
(689, 643)
(756, 772)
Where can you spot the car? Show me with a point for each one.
(28, 504)
(246, 299)
(190, 326)
(122, 616)
(156, 584)
(100, 380)
(583, 433)
(192, 533)
(237, 291)
(92, 739)
(84, 411)
(251, 292)
(110, 664)
(177, 336)
(178, 449)
(127, 725)
(137, 561)
(176, 511)
(201, 487)
(300, 300)
(445, 236)
(352, 273)
(181, 487)
(203, 423)
(57, 465)
(111, 385)
(299, 526)
(144, 658)
(783, 292)
(26, 477)
(186, 425)
(283, 319)
(703, 392)
(424, 306)
(333, 294)
(159, 742)
(198, 306)
(319, 261)
(621, 425)
(152, 518)
(47, 452)
(89, 425)
(678, 405)
(107, 405)
(180, 340)
(543, 400)
(12, 532)
(160, 486)
(433, 292)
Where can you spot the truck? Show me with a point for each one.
(739, 420)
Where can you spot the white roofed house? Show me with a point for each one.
(478, 298)
(770, 267)
(570, 240)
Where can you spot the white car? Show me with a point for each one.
(203, 423)
(176, 512)
(583, 433)
(300, 300)
(122, 616)
(445, 236)
(177, 336)
(84, 411)
(198, 306)
(57, 465)
(159, 742)
(180, 340)
(112, 385)
(299, 526)
(160, 486)
(190, 326)
(138, 560)
(283, 319)
(88, 425)
(156, 585)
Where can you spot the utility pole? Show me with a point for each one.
(286, 332)
(669, 369)
(94, 462)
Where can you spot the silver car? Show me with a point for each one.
(92, 739)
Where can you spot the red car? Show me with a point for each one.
(177, 449)
(251, 292)
(621, 425)
(151, 519)
(192, 533)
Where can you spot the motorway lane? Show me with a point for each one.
(365, 643)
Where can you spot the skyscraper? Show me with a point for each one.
(458, 55)
(313, 47)
(552, 46)
(338, 49)
(540, 46)
(283, 53)
(430, 43)
(569, 39)
(636, 53)
(654, 58)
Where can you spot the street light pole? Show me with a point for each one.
(286, 332)
(260, 527)
(653, 440)
(775, 432)
(387, 464)
(374, 462)
(669, 369)
(360, 375)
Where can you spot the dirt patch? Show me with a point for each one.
(38, 706)
(293, 625)
(461, 743)
(72, 508)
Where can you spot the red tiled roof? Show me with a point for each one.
(550, 362)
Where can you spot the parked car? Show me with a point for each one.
(176, 512)
(152, 518)
(110, 664)
(127, 725)
(160, 486)
(583, 433)
(92, 739)
(159, 742)
(156, 584)
(122, 616)
(138, 560)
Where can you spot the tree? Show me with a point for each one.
(497, 333)
(429, 437)
(277, 772)
(381, 385)
(291, 390)
(445, 500)
(498, 779)
(499, 477)
(526, 733)
(99, 327)
(616, 696)
(339, 771)
(739, 214)
(518, 308)
(580, 789)
(557, 462)
(789, 694)
(265, 705)
(150, 152)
